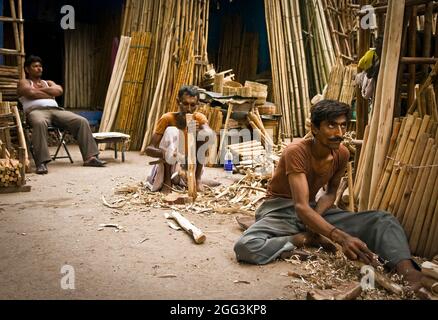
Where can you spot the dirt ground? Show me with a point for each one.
(57, 223)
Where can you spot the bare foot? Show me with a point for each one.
(410, 274)
(200, 186)
(166, 190)
(313, 240)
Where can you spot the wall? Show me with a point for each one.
(253, 17)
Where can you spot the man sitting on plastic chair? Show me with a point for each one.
(38, 99)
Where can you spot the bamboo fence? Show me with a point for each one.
(87, 63)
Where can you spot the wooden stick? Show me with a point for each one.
(350, 187)
(192, 230)
(191, 156)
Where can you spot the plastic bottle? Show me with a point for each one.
(228, 162)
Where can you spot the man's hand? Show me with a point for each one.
(353, 247)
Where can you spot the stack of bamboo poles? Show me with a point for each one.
(349, 84)
(383, 109)
(406, 187)
(152, 16)
(184, 71)
(10, 174)
(341, 85)
(318, 43)
(115, 86)
(171, 76)
(335, 82)
(291, 69)
(9, 77)
(178, 54)
(132, 89)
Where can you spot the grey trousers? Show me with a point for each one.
(277, 222)
(78, 126)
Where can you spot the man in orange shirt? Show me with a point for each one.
(170, 137)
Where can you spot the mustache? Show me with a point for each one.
(336, 139)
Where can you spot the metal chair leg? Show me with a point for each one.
(61, 137)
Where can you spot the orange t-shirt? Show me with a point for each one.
(169, 120)
(296, 158)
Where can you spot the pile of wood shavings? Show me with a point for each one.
(241, 197)
(330, 271)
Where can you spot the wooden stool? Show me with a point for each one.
(113, 137)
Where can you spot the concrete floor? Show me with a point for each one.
(56, 224)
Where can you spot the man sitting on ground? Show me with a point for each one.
(170, 133)
(291, 217)
(38, 99)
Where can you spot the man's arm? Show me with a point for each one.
(328, 199)
(25, 90)
(353, 247)
(153, 149)
(55, 90)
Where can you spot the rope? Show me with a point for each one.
(410, 166)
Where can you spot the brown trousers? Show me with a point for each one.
(40, 119)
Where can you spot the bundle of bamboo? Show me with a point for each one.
(178, 55)
(341, 85)
(115, 87)
(290, 65)
(383, 112)
(10, 174)
(335, 82)
(132, 89)
(406, 186)
(320, 52)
